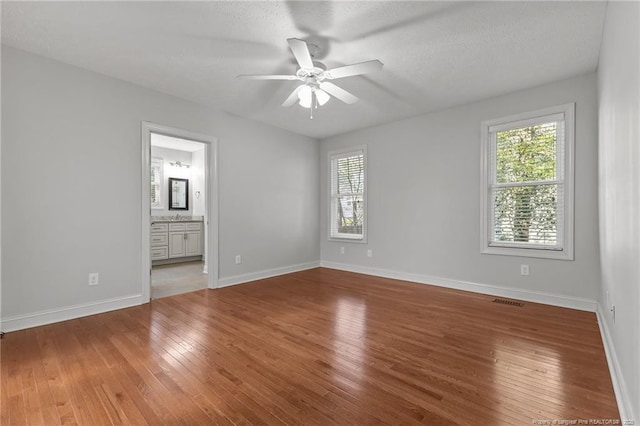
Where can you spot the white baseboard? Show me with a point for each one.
(20, 322)
(530, 296)
(617, 378)
(244, 278)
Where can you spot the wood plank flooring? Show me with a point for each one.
(318, 347)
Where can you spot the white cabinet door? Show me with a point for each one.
(176, 244)
(193, 243)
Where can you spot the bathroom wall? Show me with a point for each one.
(193, 173)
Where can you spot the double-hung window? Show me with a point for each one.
(347, 216)
(527, 184)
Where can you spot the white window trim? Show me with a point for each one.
(567, 228)
(330, 154)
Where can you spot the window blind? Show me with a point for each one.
(347, 195)
(526, 186)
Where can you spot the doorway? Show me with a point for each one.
(179, 211)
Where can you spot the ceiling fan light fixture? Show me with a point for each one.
(322, 97)
(305, 96)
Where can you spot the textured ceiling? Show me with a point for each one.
(435, 54)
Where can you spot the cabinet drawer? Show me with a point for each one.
(176, 227)
(159, 240)
(159, 253)
(159, 227)
(193, 226)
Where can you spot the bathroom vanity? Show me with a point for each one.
(176, 240)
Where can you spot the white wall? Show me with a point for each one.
(424, 200)
(619, 162)
(71, 187)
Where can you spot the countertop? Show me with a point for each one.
(172, 219)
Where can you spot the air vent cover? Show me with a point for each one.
(509, 302)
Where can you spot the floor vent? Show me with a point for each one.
(509, 302)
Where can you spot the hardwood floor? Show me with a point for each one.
(318, 347)
(177, 278)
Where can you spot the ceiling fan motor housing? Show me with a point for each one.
(316, 73)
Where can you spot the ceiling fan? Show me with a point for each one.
(315, 90)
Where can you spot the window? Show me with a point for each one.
(527, 184)
(348, 194)
(156, 183)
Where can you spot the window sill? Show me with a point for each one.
(523, 252)
(348, 240)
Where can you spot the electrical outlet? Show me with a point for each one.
(238, 259)
(524, 269)
(94, 278)
(369, 253)
(341, 250)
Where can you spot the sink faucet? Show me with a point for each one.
(177, 216)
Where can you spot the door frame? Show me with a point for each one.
(211, 206)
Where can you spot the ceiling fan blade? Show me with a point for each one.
(338, 92)
(267, 77)
(354, 69)
(301, 52)
(293, 97)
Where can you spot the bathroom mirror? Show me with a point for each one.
(178, 194)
